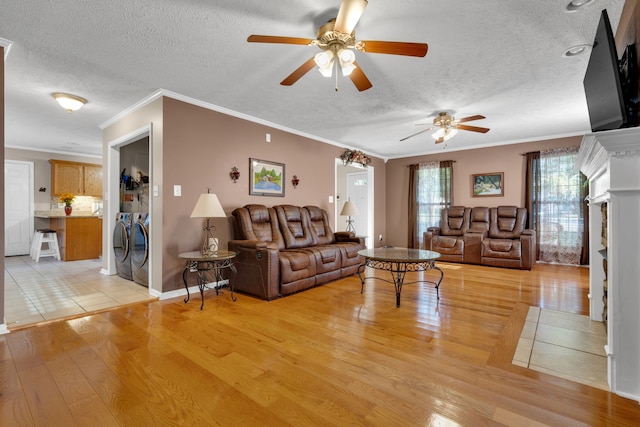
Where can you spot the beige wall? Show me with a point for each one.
(199, 147)
(505, 158)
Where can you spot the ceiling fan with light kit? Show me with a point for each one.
(337, 42)
(447, 127)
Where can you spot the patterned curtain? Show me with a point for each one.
(430, 190)
(560, 207)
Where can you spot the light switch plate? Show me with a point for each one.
(177, 190)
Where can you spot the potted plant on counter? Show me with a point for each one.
(67, 199)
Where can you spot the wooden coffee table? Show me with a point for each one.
(398, 261)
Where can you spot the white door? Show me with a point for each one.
(358, 192)
(18, 207)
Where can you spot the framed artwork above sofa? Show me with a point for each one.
(266, 178)
(487, 184)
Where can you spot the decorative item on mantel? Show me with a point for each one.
(355, 156)
(67, 199)
(234, 174)
(295, 181)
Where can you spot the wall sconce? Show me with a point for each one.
(295, 181)
(234, 174)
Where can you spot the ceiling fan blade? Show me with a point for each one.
(472, 128)
(349, 15)
(415, 134)
(297, 74)
(439, 140)
(359, 79)
(470, 118)
(393, 48)
(279, 39)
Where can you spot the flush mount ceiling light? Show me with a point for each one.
(69, 102)
(576, 5)
(576, 50)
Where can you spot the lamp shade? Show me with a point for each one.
(208, 206)
(349, 209)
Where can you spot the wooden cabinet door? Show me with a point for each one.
(66, 178)
(93, 181)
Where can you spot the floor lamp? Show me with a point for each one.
(349, 209)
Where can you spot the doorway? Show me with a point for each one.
(355, 183)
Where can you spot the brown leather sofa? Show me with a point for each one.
(287, 249)
(486, 236)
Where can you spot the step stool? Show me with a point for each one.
(51, 239)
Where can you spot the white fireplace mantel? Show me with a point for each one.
(611, 162)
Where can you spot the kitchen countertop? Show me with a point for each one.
(59, 213)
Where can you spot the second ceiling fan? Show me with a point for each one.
(337, 42)
(447, 126)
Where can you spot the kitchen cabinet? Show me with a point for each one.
(79, 179)
(78, 237)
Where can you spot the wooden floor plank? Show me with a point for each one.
(326, 356)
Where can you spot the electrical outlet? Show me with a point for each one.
(380, 238)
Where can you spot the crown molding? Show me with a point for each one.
(213, 107)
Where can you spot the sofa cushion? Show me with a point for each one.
(502, 248)
(454, 221)
(321, 232)
(479, 219)
(294, 226)
(507, 222)
(258, 222)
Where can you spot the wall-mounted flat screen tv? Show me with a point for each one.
(602, 86)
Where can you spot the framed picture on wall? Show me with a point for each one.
(266, 178)
(487, 184)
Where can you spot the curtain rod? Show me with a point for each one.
(424, 163)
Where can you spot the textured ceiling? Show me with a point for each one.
(499, 58)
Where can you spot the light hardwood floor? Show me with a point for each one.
(326, 356)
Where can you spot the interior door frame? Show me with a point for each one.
(31, 197)
(371, 194)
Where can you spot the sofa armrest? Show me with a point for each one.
(434, 230)
(249, 244)
(258, 268)
(347, 236)
(473, 246)
(528, 248)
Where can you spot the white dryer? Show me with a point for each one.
(121, 245)
(139, 248)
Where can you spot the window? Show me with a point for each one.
(557, 206)
(430, 192)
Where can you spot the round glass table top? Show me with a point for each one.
(399, 254)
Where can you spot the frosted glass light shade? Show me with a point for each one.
(69, 102)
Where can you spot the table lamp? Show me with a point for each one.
(208, 206)
(349, 209)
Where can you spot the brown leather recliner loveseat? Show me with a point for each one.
(486, 236)
(286, 249)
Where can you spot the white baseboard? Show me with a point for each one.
(183, 291)
(4, 329)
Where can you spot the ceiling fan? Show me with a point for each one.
(447, 127)
(337, 41)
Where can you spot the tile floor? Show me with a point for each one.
(51, 289)
(565, 345)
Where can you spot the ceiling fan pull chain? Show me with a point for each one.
(336, 64)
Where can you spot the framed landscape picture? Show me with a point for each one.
(266, 178)
(487, 184)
